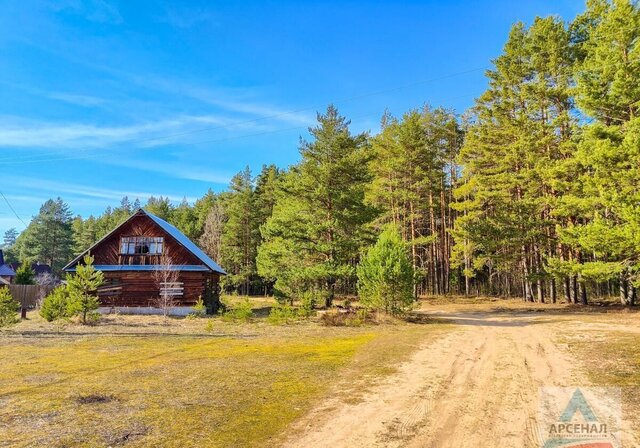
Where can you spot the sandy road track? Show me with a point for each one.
(475, 387)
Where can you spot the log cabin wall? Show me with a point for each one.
(140, 289)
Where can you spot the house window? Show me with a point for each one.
(141, 245)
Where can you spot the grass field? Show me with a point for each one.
(145, 381)
(610, 354)
(148, 381)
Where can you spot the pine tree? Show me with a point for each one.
(185, 219)
(49, 236)
(85, 233)
(604, 231)
(25, 274)
(241, 232)
(203, 205)
(385, 274)
(514, 160)
(313, 238)
(8, 308)
(161, 207)
(266, 186)
(82, 286)
(412, 168)
(10, 237)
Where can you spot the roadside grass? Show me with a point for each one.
(611, 358)
(148, 381)
(501, 304)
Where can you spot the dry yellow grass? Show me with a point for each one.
(145, 381)
(609, 351)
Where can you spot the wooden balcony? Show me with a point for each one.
(139, 259)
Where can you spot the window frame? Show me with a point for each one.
(135, 244)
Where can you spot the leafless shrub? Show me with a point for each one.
(210, 241)
(166, 277)
(46, 279)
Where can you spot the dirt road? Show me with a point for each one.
(476, 387)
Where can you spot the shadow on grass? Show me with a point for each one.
(262, 312)
(74, 334)
(477, 319)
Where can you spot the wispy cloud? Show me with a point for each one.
(173, 169)
(251, 108)
(93, 10)
(17, 132)
(75, 98)
(185, 17)
(241, 100)
(55, 188)
(80, 100)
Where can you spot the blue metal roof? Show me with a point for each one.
(186, 242)
(171, 230)
(6, 271)
(145, 267)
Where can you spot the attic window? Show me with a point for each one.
(141, 245)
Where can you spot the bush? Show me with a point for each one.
(385, 275)
(308, 303)
(25, 275)
(209, 326)
(282, 313)
(349, 318)
(56, 305)
(241, 311)
(8, 308)
(199, 309)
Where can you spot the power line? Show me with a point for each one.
(13, 210)
(35, 159)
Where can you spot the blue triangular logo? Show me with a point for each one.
(578, 403)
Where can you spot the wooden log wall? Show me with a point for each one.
(141, 289)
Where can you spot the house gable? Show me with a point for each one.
(184, 254)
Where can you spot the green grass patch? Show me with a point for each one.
(241, 385)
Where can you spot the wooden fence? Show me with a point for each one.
(29, 295)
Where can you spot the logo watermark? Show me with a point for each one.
(580, 417)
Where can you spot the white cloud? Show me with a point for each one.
(80, 100)
(173, 169)
(20, 133)
(55, 188)
(242, 100)
(247, 107)
(77, 99)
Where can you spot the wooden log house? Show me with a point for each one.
(130, 256)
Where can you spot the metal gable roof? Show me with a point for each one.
(186, 242)
(171, 230)
(6, 271)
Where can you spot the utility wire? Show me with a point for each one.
(13, 210)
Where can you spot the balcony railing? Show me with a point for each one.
(139, 259)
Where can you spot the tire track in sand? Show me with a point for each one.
(475, 387)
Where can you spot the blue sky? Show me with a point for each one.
(105, 98)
